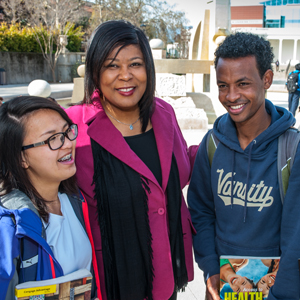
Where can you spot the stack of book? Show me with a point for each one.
(74, 286)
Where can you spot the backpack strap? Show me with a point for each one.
(212, 143)
(287, 147)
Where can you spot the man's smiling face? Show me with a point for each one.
(241, 89)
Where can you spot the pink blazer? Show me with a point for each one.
(169, 139)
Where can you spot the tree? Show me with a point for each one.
(51, 20)
(14, 10)
(158, 19)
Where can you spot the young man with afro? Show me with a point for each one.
(234, 199)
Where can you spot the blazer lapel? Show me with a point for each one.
(105, 134)
(164, 135)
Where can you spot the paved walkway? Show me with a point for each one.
(58, 90)
(195, 289)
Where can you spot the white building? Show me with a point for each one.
(280, 24)
(285, 42)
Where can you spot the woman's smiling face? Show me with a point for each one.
(240, 284)
(266, 282)
(123, 78)
(46, 167)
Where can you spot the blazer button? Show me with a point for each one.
(161, 211)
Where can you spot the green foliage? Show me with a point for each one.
(74, 37)
(14, 38)
(74, 43)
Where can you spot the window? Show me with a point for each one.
(279, 2)
(272, 23)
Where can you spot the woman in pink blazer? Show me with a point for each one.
(132, 163)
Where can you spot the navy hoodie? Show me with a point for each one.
(244, 220)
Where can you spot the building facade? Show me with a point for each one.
(276, 20)
(247, 16)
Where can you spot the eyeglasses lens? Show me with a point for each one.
(57, 140)
(72, 132)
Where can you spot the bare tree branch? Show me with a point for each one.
(159, 19)
(14, 10)
(50, 19)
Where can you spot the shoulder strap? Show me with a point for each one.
(76, 203)
(287, 147)
(212, 143)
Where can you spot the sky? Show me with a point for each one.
(190, 7)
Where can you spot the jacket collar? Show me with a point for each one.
(112, 140)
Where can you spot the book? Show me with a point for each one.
(74, 286)
(247, 278)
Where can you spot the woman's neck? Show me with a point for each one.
(54, 207)
(51, 199)
(128, 122)
(127, 116)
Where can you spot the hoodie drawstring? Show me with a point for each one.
(247, 182)
(232, 173)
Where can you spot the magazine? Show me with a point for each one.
(247, 278)
(76, 285)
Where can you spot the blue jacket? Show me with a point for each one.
(227, 222)
(24, 253)
(14, 226)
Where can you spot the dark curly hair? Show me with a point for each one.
(243, 44)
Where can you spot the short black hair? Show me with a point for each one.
(297, 67)
(243, 44)
(13, 117)
(107, 37)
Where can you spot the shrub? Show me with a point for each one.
(15, 38)
(75, 35)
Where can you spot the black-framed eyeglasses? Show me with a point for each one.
(57, 140)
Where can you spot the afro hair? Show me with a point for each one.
(247, 44)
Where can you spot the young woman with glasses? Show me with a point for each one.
(42, 229)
